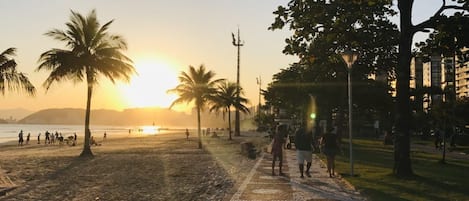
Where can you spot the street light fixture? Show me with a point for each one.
(350, 58)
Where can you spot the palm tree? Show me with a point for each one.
(92, 51)
(11, 79)
(196, 85)
(225, 98)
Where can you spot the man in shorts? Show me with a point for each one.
(303, 140)
(277, 148)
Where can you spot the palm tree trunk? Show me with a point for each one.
(86, 146)
(229, 122)
(198, 126)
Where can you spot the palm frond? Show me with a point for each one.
(8, 53)
(93, 52)
(10, 78)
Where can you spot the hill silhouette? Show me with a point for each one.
(135, 116)
(14, 114)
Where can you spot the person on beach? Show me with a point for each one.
(74, 139)
(52, 138)
(39, 138)
(27, 138)
(277, 148)
(92, 141)
(104, 137)
(55, 138)
(47, 140)
(20, 138)
(303, 140)
(331, 147)
(61, 139)
(187, 134)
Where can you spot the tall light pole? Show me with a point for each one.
(350, 58)
(259, 82)
(237, 43)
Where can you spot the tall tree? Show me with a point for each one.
(91, 51)
(10, 78)
(403, 165)
(226, 97)
(323, 29)
(365, 26)
(196, 85)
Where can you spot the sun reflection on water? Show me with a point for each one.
(150, 130)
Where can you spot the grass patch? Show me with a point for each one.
(373, 162)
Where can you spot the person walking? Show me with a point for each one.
(28, 137)
(47, 140)
(331, 147)
(20, 138)
(277, 148)
(39, 138)
(438, 139)
(187, 134)
(303, 140)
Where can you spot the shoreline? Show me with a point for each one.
(9, 132)
(110, 135)
(140, 167)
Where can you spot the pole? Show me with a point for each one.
(238, 44)
(350, 58)
(350, 116)
(455, 97)
(259, 81)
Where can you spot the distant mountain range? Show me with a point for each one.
(138, 116)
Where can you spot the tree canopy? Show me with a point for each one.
(321, 31)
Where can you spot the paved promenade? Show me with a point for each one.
(261, 185)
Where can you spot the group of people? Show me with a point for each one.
(304, 144)
(21, 139)
(50, 138)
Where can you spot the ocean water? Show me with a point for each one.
(9, 132)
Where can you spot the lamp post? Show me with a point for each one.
(350, 58)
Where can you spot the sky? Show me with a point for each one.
(164, 38)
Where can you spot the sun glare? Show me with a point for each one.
(148, 88)
(150, 130)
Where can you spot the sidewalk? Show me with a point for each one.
(261, 185)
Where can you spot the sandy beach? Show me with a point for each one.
(160, 167)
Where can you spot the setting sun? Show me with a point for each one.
(148, 88)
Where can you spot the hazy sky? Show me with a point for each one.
(164, 38)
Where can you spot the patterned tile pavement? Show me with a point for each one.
(261, 185)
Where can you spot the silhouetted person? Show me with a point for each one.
(303, 140)
(438, 139)
(47, 140)
(331, 147)
(187, 134)
(104, 137)
(277, 149)
(74, 139)
(27, 138)
(20, 138)
(39, 138)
